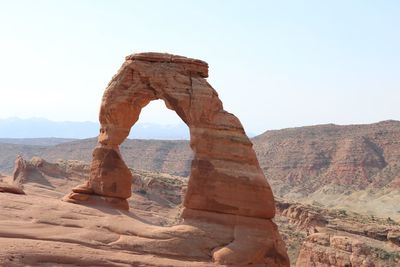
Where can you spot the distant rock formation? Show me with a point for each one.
(226, 185)
(14, 185)
(302, 160)
(301, 216)
(21, 170)
(323, 249)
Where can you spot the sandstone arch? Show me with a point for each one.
(225, 174)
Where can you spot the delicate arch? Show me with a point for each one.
(225, 173)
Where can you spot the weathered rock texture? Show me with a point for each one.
(330, 237)
(305, 159)
(10, 188)
(301, 216)
(156, 200)
(330, 250)
(226, 184)
(14, 184)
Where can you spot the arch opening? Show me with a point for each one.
(168, 155)
(158, 122)
(160, 162)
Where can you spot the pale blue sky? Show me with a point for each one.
(275, 64)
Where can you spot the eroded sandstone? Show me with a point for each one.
(14, 184)
(323, 249)
(226, 182)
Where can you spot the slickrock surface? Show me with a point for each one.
(226, 186)
(10, 188)
(156, 201)
(38, 229)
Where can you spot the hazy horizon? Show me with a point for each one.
(89, 129)
(274, 64)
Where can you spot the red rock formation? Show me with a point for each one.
(37, 170)
(303, 217)
(322, 249)
(226, 180)
(300, 161)
(19, 175)
(21, 169)
(11, 188)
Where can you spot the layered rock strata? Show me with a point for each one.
(322, 249)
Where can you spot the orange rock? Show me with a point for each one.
(302, 216)
(14, 185)
(21, 168)
(323, 249)
(95, 200)
(11, 188)
(109, 175)
(225, 175)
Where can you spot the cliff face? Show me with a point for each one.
(302, 160)
(328, 237)
(329, 250)
(354, 167)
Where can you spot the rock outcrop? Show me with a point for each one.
(21, 170)
(331, 237)
(322, 249)
(10, 188)
(14, 185)
(301, 216)
(226, 185)
(162, 187)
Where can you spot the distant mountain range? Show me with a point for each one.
(39, 128)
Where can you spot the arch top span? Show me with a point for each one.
(196, 65)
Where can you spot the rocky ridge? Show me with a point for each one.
(304, 160)
(314, 153)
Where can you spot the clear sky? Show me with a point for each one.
(275, 64)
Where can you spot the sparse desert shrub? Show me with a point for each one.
(342, 212)
(142, 191)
